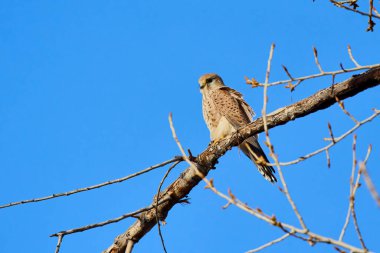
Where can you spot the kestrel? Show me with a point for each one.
(225, 111)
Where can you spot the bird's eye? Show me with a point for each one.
(208, 80)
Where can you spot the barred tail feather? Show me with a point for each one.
(252, 149)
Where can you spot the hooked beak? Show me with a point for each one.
(203, 85)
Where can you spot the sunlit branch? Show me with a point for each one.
(59, 242)
(341, 105)
(258, 213)
(351, 198)
(156, 207)
(100, 224)
(203, 163)
(317, 61)
(341, 5)
(326, 73)
(352, 57)
(269, 144)
(88, 188)
(337, 140)
(370, 185)
(280, 239)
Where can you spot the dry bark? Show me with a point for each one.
(181, 187)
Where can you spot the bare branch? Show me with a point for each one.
(338, 139)
(100, 224)
(338, 4)
(317, 61)
(331, 132)
(60, 237)
(313, 237)
(353, 211)
(268, 142)
(353, 189)
(184, 156)
(265, 96)
(375, 11)
(369, 183)
(327, 73)
(341, 105)
(269, 63)
(280, 239)
(156, 207)
(287, 72)
(287, 194)
(351, 198)
(352, 57)
(371, 24)
(208, 158)
(88, 188)
(328, 158)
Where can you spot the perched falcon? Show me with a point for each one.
(225, 111)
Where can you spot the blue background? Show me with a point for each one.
(85, 91)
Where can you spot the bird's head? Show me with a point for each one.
(210, 81)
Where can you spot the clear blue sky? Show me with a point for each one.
(85, 91)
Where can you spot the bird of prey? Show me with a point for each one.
(225, 111)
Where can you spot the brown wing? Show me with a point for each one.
(231, 105)
(239, 97)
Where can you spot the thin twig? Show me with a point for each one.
(352, 57)
(317, 61)
(370, 184)
(316, 238)
(60, 237)
(337, 139)
(280, 239)
(157, 198)
(209, 183)
(331, 132)
(269, 63)
(351, 198)
(328, 159)
(88, 188)
(341, 105)
(286, 192)
(326, 73)
(353, 189)
(369, 150)
(287, 72)
(351, 9)
(375, 11)
(268, 142)
(371, 24)
(353, 211)
(103, 223)
(184, 156)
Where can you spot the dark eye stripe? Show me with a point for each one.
(208, 80)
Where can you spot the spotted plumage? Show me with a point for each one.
(225, 111)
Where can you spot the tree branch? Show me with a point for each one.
(207, 159)
(92, 187)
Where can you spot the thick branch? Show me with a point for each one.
(207, 159)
